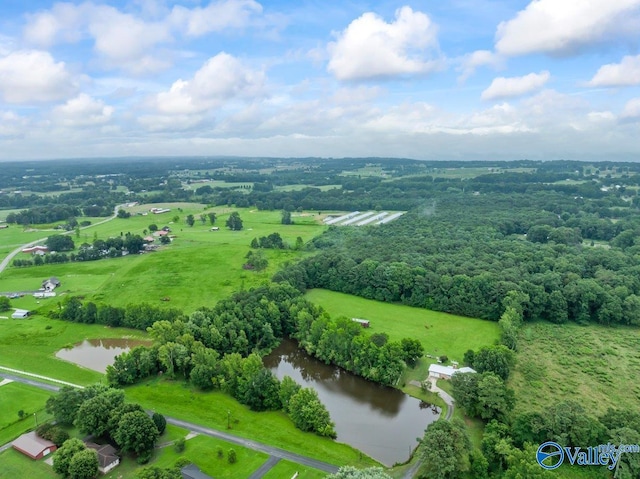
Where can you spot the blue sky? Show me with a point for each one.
(461, 79)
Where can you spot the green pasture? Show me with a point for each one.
(197, 269)
(594, 365)
(16, 465)
(15, 397)
(439, 333)
(27, 345)
(202, 451)
(211, 409)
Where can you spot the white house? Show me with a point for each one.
(446, 372)
(107, 456)
(20, 314)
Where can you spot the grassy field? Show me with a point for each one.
(594, 365)
(28, 345)
(286, 470)
(199, 268)
(16, 465)
(439, 333)
(15, 397)
(210, 409)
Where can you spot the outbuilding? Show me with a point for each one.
(107, 456)
(446, 372)
(192, 472)
(20, 314)
(32, 445)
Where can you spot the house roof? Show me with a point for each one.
(192, 472)
(32, 444)
(107, 454)
(448, 370)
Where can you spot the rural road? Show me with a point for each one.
(10, 256)
(274, 452)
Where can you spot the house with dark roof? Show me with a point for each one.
(32, 445)
(107, 456)
(50, 284)
(192, 472)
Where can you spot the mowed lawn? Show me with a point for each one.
(198, 269)
(595, 365)
(439, 333)
(31, 344)
(176, 399)
(15, 397)
(16, 465)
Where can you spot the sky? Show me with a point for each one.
(433, 80)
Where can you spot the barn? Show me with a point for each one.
(32, 445)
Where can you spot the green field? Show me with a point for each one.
(28, 345)
(286, 470)
(16, 465)
(210, 409)
(16, 397)
(439, 333)
(199, 268)
(594, 365)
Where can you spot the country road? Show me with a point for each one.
(10, 256)
(248, 443)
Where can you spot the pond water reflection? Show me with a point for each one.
(97, 354)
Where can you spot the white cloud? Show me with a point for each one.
(214, 17)
(34, 76)
(82, 111)
(625, 73)
(221, 79)
(502, 87)
(565, 26)
(370, 47)
(472, 61)
(631, 110)
(12, 125)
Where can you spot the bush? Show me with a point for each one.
(231, 456)
(219, 452)
(179, 445)
(181, 462)
(160, 422)
(144, 457)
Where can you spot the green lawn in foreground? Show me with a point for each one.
(210, 409)
(199, 268)
(286, 470)
(594, 365)
(202, 451)
(16, 397)
(16, 465)
(28, 345)
(439, 333)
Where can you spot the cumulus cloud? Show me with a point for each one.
(503, 87)
(82, 111)
(474, 60)
(12, 125)
(214, 17)
(631, 110)
(565, 26)
(371, 48)
(34, 76)
(625, 73)
(221, 79)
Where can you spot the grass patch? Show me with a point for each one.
(210, 409)
(16, 397)
(594, 365)
(15, 464)
(286, 470)
(439, 333)
(18, 336)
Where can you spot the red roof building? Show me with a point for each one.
(32, 445)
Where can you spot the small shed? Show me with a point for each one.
(32, 445)
(363, 322)
(107, 456)
(20, 314)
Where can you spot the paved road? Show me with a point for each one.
(248, 443)
(266, 467)
(10, 256)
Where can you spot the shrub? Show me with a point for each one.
(181, 462)
(179, 445)
(231, 456)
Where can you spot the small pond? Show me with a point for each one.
(97, 354)
(380, 421)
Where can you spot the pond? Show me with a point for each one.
(380, 421)
(97, 354)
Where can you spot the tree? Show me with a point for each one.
(309, 414)
(63, 456)
(165, 239)
(496, 359)
(212, 218)
(412, 350)
(136, 433)
(495, 400)
(155, 472)
(5, 303)
(260, 391)
(234, 222)
(190, 220)
(60, 243)
(286, 218)
(446, 448)
(84, 464)
(349, 472)
(232, 457)
(203, 218)
(64, 405)
(123, 214)
(153, 227)
(288, 388)
(256, 261)
(160, 422)
(94, 414)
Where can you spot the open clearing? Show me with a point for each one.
(16, 397)
(199, 268)
(594, 365)
(439, 333)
